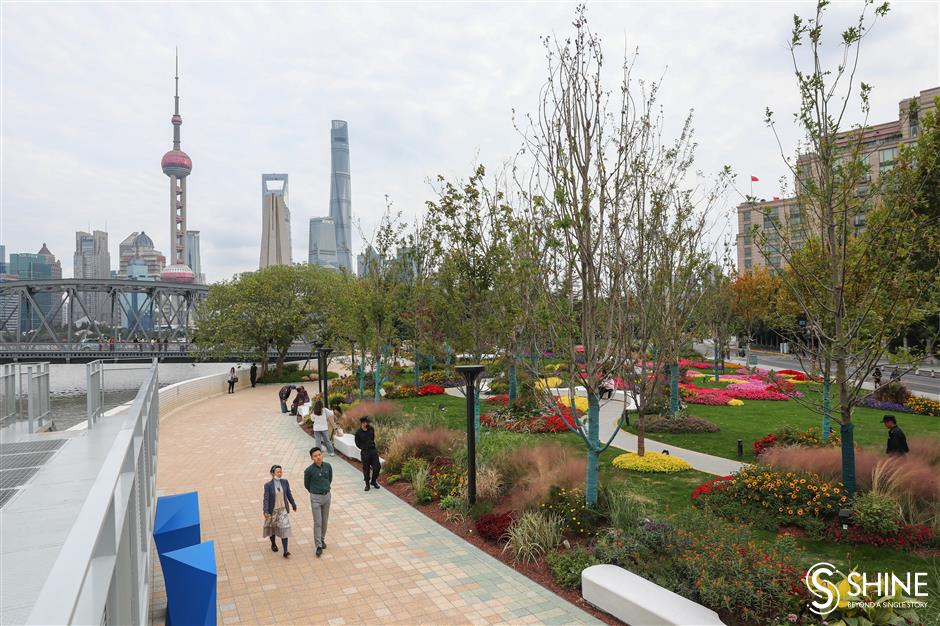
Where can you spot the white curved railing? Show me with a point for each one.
(102, 572)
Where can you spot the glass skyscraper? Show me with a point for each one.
(341, 193)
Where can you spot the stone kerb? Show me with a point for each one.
(635, 600)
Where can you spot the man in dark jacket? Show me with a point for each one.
(300, 397)
(253, 374)
(283, 395)
(897, 442)
(365, 441)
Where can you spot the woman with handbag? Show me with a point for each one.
(232, 379)
(277, 498)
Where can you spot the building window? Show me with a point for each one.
(747, 264)
(747, 252)
(887, 156)
(747, 240)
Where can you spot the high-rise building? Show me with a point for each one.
(92, 260)
(3, 259)
(40, 266)
(139, 247)
(365, 259)
(275, 221)
(137, 307)
(341, 193)
(880, 143)
(177, 165)
(322, 249)
(193, 257)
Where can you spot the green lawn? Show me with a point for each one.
(761, 417)
(670, 494)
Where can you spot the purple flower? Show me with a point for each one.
(792, 617)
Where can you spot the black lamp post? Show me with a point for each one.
(470, 374)
(319, 347)
(324, 355)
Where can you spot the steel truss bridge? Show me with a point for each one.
(73, 320)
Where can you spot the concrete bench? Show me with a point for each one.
(639, 602)
(346, 445)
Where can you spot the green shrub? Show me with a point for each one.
(876, 513)
(617, 547)
(419, 482)
(571, 507)
(498, 387)
(623, 510)
(424, 495)
(411, 466)
(532, 535)
(566, 566)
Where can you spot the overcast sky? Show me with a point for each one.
(427, 88)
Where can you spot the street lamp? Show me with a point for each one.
(325, 384)
(470, 374)
(319, 346)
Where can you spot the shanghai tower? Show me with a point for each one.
(340, 193)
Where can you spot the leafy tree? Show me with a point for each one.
(264, 310)
(754, 293)
(855, 289)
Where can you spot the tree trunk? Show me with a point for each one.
(279, 366)
(673, 390)
(362, 374)
(417, 369)
(717, 354)
(378, 379)
(826, 411)
(594, 408)
(513, 382)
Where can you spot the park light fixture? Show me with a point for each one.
(470, 374)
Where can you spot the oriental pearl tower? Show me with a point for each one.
(177, 165)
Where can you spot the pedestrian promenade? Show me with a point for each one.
(385, 563)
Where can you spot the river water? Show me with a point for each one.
(121, 382)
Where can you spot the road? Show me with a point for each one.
(918, 383)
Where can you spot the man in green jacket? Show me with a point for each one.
(317, 479)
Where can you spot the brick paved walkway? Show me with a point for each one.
(386, 563)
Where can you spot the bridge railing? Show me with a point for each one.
(34, 380)
(102, 573)
(9, 404)
(94, 391)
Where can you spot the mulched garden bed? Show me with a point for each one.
(538, 572)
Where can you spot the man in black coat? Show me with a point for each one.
(365, 441)
(283, 395)
(253, 374)
(897, 441)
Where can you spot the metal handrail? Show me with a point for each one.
(102, 573)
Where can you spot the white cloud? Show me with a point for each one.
(87, 94)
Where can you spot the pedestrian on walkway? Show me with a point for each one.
(277, 498)
(317, 479)
(111, 344)
(232, 379)
(283, 395)
(365, 441)
(876, 374)
(607, 387)
(321, 418)
(897, 441)
(253, 374)
(166, 344)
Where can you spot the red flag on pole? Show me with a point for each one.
(776, 197)
(754, 179)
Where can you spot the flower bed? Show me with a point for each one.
(410, 391)
(799, 498)
(651, 462)
(694, 394)
(522, 420)
(906, 538)
(580, 403)
(912, 404)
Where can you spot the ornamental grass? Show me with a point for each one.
(651, 462)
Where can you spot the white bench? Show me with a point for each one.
(346, 445)
(639, 602)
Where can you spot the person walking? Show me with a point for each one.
(111, 344)
(876, 374)
(232, 379)
(365, 441)
(253, 374)
(283, 395)
(897, 441)
(166, 344)
(318, 478)
(275, 501)
(321, 418)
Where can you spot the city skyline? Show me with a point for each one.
(427, 107)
